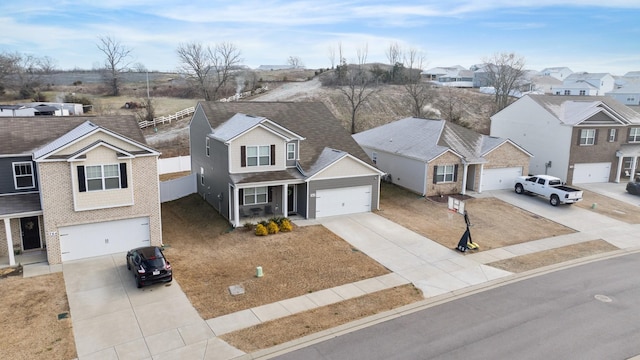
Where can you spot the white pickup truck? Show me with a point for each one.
(548, 186)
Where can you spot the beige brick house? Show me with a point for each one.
(77, 187)
(435, 157)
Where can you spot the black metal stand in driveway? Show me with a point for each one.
(465, 242)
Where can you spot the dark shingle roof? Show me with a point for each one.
(23, 135)
(312, 120)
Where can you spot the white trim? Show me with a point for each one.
(7, 231)
(105, 207)
(510, 142)
(15, 180)
(288, 152)
(376, 170)
(246, 155)
(260, 125)
(207, 146)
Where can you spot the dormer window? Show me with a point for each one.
(23, 175)
(291, 151)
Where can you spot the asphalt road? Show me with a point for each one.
(586, 312)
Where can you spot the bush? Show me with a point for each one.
(273, 228)
(73, 98)
(285, 225)
(261, 230)
(248, 226)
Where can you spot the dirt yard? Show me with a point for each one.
(33, 312)
(208, 256)
(609, 207)
(495, 223)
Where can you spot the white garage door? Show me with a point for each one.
(343, 201)
(591, 173)
(102, 238)
(500, 178)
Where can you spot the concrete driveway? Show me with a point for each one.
(112, 319)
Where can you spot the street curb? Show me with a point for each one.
(425, 304)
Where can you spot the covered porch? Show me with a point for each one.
(627, 165)
(21, 217)
(251, 203)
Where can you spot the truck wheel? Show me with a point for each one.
(554, 200)
(519, 189)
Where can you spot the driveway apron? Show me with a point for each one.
(430, 266)
(112, 319)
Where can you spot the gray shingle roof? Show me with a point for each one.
(425, 139)
(311, 120)
(574, 109)
(24, 135)
(20, 203)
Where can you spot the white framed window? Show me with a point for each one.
(207, 146)
(256, 195)
(587, 137)
(374, 157)
(103, 177)
(291, 151)
(567, 92)
(258, 155)
(583, 92)
(201, 176)
(634, 134)
(445, 173)
(612, 135)
(23, 175)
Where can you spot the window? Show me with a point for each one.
(587, 137)
(102, 177)
(374, 157)
(583, 92)
(257, 195)
(258, 155)
(445, 173)
(208, 148)
(291, 151)
(23, 175)
(612, 135)
(201, 176)
(634, 134)
(567, 92)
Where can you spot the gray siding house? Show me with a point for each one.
(263, 159)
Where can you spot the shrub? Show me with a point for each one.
(261, 230)
(273, 228)
(277, 220)
(248, 226)
(285, 225)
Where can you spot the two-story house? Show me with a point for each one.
(76, 187)
(263, 159)
(580, 139)
(559, 72)
(592, 84)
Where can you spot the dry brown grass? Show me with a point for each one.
(495, 223)
(29, 314)
(208, 257)
(610, 207)
(554, 256)
(292, 327)
(172, 176)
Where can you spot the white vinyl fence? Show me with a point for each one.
(174, 164)
(178, 188)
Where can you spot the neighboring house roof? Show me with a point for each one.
(25, 135)
(311, 120)
(572, 110)
(426, 139)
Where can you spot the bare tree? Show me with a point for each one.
(225, 58)
(195, 63)
(394, 55)
(356, 85)
(418, 91)
(504, 72)
(8, 66)
(210, 68)
(116, 61)
(295, 62)
(47, 64)
(332, 56)
(450, 109)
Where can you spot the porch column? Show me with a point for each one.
(464, 177)
(7, 230)
(634, 164)
(481, 173)
(236, 207)
(285, 203)
(620, 162)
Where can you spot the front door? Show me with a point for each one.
(30, 233)
(291, 199)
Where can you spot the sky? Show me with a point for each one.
(584, 35)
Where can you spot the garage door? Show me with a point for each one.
(102, 238)
(591, 173)
(343, 201)
(500, 178)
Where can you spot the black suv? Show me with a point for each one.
(149, 266)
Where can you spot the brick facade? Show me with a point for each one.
(447, 158)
